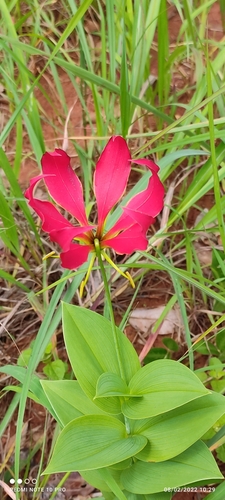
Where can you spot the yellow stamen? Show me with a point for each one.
(84, 282)
(125, 275)
(129, 277)
(50, 254)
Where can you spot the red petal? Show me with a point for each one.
(65, 236)
(128, 241)
(75, 256)
(63, 184)
(144, 220)
(61, 230)
(144, 206)
(111, 175)
(149, 201)
(50, 216)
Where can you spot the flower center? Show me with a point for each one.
(98, 251)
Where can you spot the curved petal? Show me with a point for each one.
(144, 206)
(60, 229)
(141, 218)
(111, 175)
(128, 241)
(50, 216)
(149, 201)
(75, 256)
(65, 236)
(63, 184)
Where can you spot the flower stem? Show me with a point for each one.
(107, 292)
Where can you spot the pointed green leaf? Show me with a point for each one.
(68, 400)
(175, 431)
(91, 349)
(193, 465)
(111, 384)
(164, 384)
(92, 442)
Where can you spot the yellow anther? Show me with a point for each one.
(125, 275)
(50, 254)
(84, 282)
(129, 277)
(82, 285)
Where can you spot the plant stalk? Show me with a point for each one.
(108, 297)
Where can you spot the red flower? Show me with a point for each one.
(110, 181)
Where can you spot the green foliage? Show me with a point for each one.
(156, 353)
(91, 442)
(157, 413)
(162, 352)
(160, 385)
(194, 465)
(54, 369)
(92, 355)
(221, 453)
(67, 408)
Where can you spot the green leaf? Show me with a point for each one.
(122, 465)
(24, 357)
(154, 354)
(175, 431)
(206, 348)
(91, 442)
(96, 478)
(68, 400)
(171, 344)
(111, 384)
(125, 100)
(20, 374)
(193, 465)
(218, 385)
(220, 340)
(218, 368)
(164, 385)
(90, 347)
(55, 370)
(112, 484)
(10, 229)
(8, 277)
(155, 496)
(17, 192)
(218, 494)
(220, 452)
